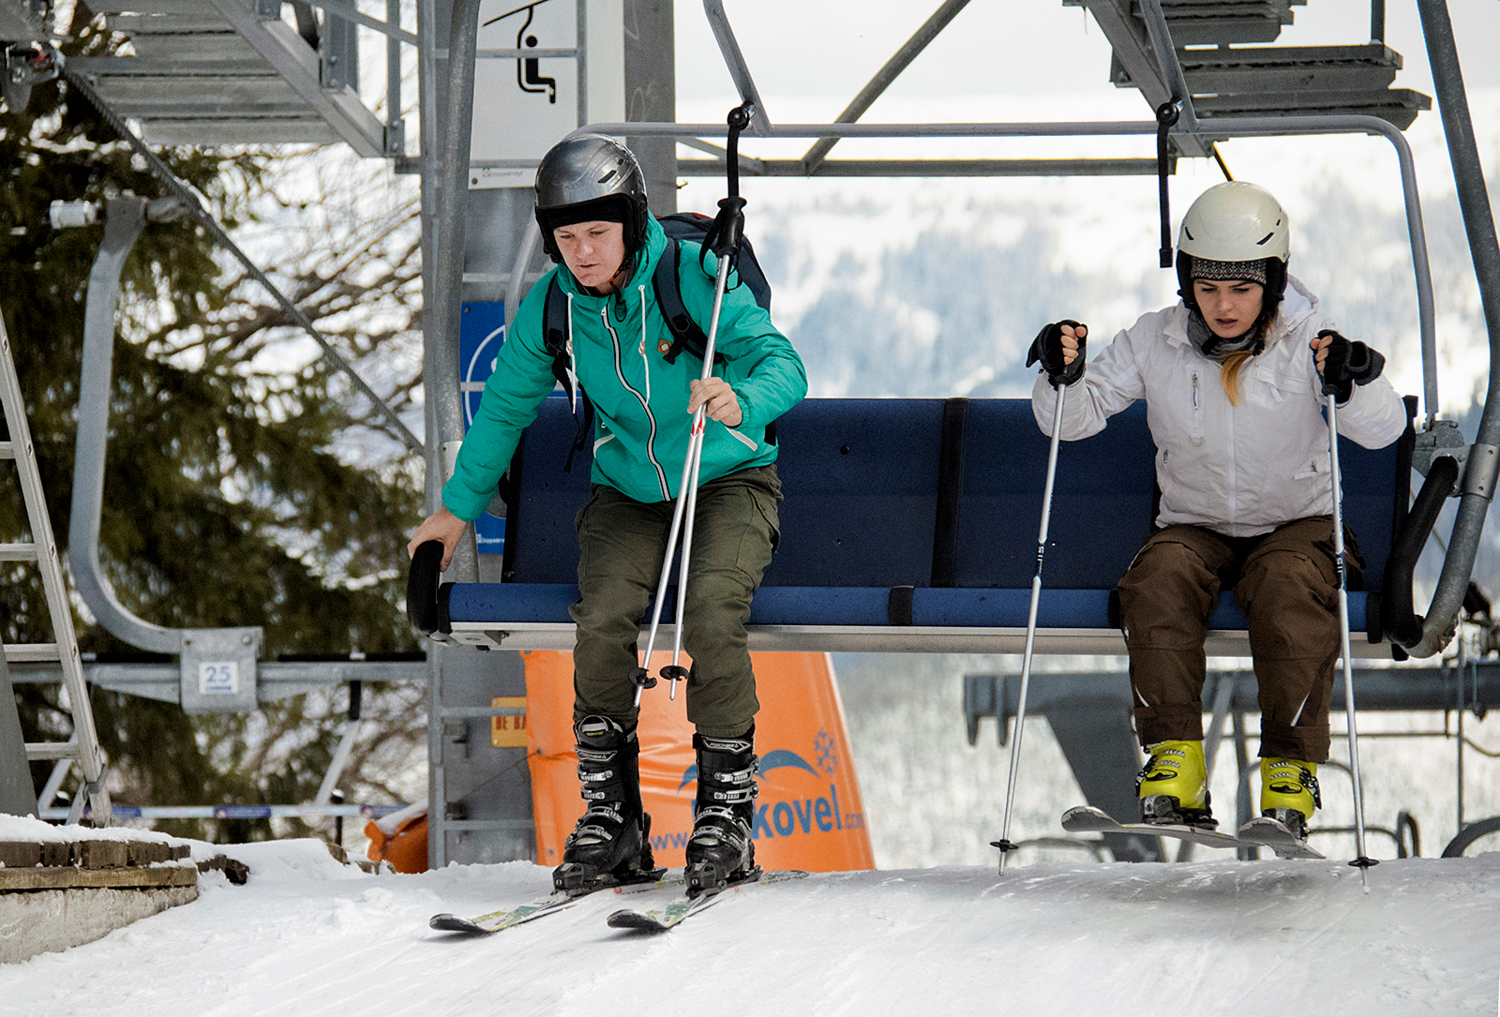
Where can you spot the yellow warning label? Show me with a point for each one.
(508, 732)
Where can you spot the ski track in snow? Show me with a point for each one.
(309, 937)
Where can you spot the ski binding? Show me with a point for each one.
(1267, 832)
(551, 903)
(1087, 819)
(681, 907)
(1262, 832)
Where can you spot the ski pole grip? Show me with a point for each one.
(1167, 115)
(729, 227)
(737, 121)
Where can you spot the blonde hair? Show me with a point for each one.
(1229, 373)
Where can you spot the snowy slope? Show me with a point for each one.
(309, 937)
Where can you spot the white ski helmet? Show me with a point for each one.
(1236, 222)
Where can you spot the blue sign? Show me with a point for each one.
(481, 331)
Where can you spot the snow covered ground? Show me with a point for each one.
(308, 936)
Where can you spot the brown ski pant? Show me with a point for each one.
(1285, 582)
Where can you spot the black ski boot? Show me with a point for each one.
(612, 841)
(720, 850)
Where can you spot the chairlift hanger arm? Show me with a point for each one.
(739, 71)
(1477, 485)
(1166, 58)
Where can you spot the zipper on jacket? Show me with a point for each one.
(1195, 435)
(1234, 475)
(661, 475)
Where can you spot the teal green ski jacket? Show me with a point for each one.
(640, 401)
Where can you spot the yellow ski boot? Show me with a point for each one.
(1173, 786)
(1289, 793)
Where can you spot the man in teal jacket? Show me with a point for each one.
(591, 207)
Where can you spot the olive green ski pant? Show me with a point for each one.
(621, 543)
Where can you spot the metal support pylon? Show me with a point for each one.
(42, 549)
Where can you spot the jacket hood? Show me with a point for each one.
(645, 264)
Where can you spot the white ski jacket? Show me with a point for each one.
(1238, 470)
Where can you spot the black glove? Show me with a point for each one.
(1348, 364)
(1048, 349)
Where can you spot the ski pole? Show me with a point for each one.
(682, 518)
(674, 672)
(1004, 843)
(724, 239)
(1363, 862)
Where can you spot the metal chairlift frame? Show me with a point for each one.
(444, 164)
(1481, 460)
(446, 144)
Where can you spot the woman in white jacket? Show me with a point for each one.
(1234, 379)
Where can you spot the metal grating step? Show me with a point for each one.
(1208, 22)
(1228, 79)
(1223, 22)
(1300, 80)
(212, 72)
(1289, 68)
(1399, 106)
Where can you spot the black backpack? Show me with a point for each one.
(687, 334)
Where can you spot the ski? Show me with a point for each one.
(539, 907)
(1267, 832)
(681, 907)
(1087, 819)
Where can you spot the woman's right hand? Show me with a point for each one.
(1060, 347)
(443, 526)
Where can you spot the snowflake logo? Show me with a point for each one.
(827, 752)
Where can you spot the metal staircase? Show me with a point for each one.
(232, 72)
(15, 445)
(1228, 76)
(1270, 81)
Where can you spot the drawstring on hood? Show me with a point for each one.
(572, 365)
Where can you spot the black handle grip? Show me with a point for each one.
(422, 586)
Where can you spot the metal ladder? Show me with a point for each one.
(42, 549)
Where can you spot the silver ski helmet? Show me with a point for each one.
(1236, 223)
(590, 178)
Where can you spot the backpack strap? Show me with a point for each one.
(555, 333)
(687, 334)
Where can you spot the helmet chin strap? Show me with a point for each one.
(616, 282)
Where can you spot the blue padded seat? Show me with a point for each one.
(918, 512)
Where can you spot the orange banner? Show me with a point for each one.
(809, 814)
